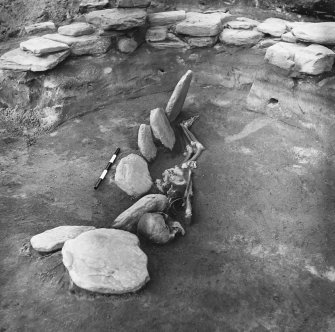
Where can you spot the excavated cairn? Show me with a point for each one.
(110, 260)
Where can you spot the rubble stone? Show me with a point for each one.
(87, 5)
(240, 37)
(156, 34)
(127, 45)
(202, 41)
(145, 143)
(273, 26)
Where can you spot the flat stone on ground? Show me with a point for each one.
(107, 261)
(161, 128)
(132, 3)
(200, 25)
(20, 60)
(117, 18)
(318, 33)
(273, 26)
(240, 37)
(132, 175)
(76, 29)
(145, 142)
(40, 27)
(54, 238)
(88, 44)
(177, 99)
(166, 18)
(40, 46)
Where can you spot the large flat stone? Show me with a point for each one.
(53, 239)
(240, 37)
(40, 27)
(40, 46)
(117, 18)
(20, 60)
(76, 29)
(88, 44)
(132, 3)
(145, 142)
(132, 175)
(177, 99)
(107, 261)
(273, 26)
(200, 25)
(166, 18)
(319, 33)
(161, 128)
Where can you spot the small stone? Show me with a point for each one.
(202, 41)
(54, 239)
(166, 18)
(129, 219)
(145, 143)
(107, 261)
(318, 33)
(156, 34)
(87, 5)
(76, 29)
(240, 37)
(273, 26)
(117, 18)
(200, 25)
(161, 128)
(20, 60)
(127, 45)
(132, 3)
(82, 45)
(132, 175)
(177, 99)
(40, 27)
(288, 37)
(40, 46)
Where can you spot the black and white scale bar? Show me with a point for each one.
(108, 166)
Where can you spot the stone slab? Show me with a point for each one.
(273, 26)
(88, 5)
(166, 18)
(40, 27)
(318, 33)
(195, 42)
(40, 46)
(156, 34)
(76, 29)
(145, 142)
(240, 37)
(132, 3)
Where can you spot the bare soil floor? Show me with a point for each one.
(260, 254)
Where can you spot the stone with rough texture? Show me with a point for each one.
(145, 142)
(127, 45)
(54, 238)
(132, 3)
(107, 261)
(87, 5)
(240, 37)
(319, 33)
(223, 14)
(177, 99)
(156, 34)
(288, 37)
(314, 59)
(202, 41)
(40, 46)
(169, 44)
(88, 44)
(76, 29)
(129, 219)
(273, 26)
(252, 22)
(117, 18)
(240, 25)
(40, 27)
(200, 25)
(20, 60)
(166, 18)
(132, 175)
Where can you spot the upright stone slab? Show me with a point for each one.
(107, 261)
(178, 96)
(40, 46)
(53, 239)
(318, 33)
(76, 29)
(117, 18)
(166, 18)
(161, 128)
(145, 143)
(200, 25)
(273, 26)
(23, 61)
(132, 175)
(240, 37)
(132, 3)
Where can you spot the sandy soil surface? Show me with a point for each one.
(259, 255)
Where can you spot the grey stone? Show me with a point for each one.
(20, 60)
(241, 25)
(201, 41)
(156, 34)
(40, 46)
(161, 128)
(273, 26)
(289, 37)
(107, 261)
(76, 29)
(54, 239)
(88, 44)
(132, 3)
(117, 18)
(319, 33)
(240, 37)
(200, 25)
(132, 175)
(129, 219)
(127, 45)
(177, 99)
(87, 5)
(169, 44)
(145, 143)
(166, 18)
(40, 27)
